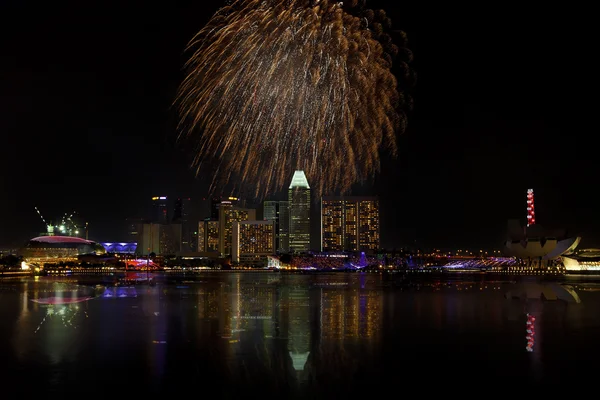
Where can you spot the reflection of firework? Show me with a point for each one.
(277, 86)
(66, 315)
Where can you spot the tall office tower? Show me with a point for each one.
(160, 239)
(214, 208)
(133, 228)
(228, 213)
(284, 227)
(208, 236)
(299, 206)
(252, 242)
(160, 214)
(182, 214)
(272, 212)
(215, 204)
(350, 223)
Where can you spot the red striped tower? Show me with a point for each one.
(530, 208)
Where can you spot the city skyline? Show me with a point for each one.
(91, 128)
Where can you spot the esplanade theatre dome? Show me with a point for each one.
(59, 248)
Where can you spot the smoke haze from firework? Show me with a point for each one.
(277, 86)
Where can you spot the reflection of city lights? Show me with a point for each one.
(530, 330)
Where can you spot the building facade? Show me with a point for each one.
(299, 211)
(159, 239)
(183, 214)
(278, 212)
(228, 214)
(208, 236)
(252, 242)
(160, 210)
(350, 224)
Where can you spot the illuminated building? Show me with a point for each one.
(530, 208)
(535, 246)
(55, 249)
(278, 211)
(120, 248)
(160, 214)
(252, 241)
(299, 206)
(350, 223)
(159, 239)
(228, 214)
(583, 260)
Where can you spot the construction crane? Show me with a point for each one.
(66, 227)
(49, 227)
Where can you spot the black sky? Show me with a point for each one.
(86, 120)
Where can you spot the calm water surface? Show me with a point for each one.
(290, 336)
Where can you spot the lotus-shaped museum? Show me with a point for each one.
(536, 244)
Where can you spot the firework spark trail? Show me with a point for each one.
(279, 85)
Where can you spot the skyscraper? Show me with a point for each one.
(182, 214)
(278, 212)
(284, 227)
(350, 223)
(299, 208)
(160, 214)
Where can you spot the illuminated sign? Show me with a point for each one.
(155, 198)
(159, 198)
(233, 198)
(163, 198)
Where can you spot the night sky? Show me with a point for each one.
(86, 121)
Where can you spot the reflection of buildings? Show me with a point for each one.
(49, 331)
(299, 208)
(533, 245)
(350, 223)
(350, 314)
(298, 324)
(253, 307)
(252, 242)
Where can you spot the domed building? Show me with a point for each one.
(55, 249)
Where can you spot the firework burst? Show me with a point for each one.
(275, 86)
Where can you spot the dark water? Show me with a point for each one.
(321, 336)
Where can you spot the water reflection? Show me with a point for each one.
(295, 335)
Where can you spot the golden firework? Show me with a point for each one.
(275, 86)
